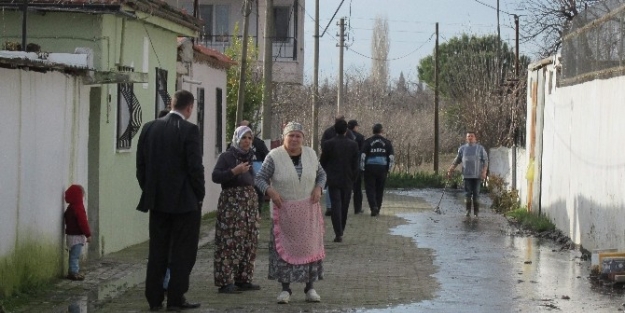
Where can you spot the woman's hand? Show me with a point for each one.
(315, 196)
(241, 168)
(275, 197)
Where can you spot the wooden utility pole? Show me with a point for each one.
(516, 100)
(267, 71)
(24, 23)
(247, 10)
(315, 96)
(436, 147)
(339, 99)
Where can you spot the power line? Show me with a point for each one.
(333, 16)
(394, 59)
(492, 7)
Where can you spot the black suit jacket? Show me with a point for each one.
(339, 159)
(169, 166)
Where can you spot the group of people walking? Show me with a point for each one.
(171, 176)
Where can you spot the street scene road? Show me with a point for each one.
(408, 259)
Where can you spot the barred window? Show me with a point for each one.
(128, 114)
(163, 99)
(218, 123)
(200, 116)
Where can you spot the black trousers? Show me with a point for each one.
(173, 242)
(375, 179)
(340, 197)
(358, 192)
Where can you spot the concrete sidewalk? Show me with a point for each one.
(370, 269)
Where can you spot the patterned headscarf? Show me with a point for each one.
(293, 127)
(238, 134)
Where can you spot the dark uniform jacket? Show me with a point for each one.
(339, 159)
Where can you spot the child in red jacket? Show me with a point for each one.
(76, 229)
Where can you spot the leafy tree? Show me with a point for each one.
(475, 76)
(253, 84)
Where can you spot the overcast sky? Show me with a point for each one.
(411, 30)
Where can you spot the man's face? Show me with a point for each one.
(187, 112)
(357, 128)
(471, 138)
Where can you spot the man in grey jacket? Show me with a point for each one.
(474, 161)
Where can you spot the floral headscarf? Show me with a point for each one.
(242, 155)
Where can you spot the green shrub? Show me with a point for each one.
(531, 221)
(503, 200)
(416, 180)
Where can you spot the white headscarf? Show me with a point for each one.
(238, 134)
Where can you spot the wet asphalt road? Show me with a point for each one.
(483, 267)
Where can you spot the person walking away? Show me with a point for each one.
(260, 152)
(77, 231)
(353, 126)
(293, 178)
(339, 159)
(474, 160)
(236, 227)
(377, 160)
(171, 176)
(328, 134)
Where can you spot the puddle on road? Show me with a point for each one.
(482, 268)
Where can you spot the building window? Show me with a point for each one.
(282, 18)
(218, 123)
(163, 99)
(216, 25)
(200, 116)
(128, 116)
(206, 14)
(222, 23)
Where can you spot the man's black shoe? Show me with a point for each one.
(338, 239)
(156, 308)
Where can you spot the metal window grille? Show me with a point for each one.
(218, 123)
(128, 116)
(163, 99)
(200, 116)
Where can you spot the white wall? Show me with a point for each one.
(44, 150)
(582, 163)
(211, 79)
(500, 164)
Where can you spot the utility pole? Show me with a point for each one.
(436, 58)
(315, 96)
(24, 23)
(339, 99)
(247, 10)
(267, 71)
(516, 101)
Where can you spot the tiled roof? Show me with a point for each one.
(210, 55)
(154, 7)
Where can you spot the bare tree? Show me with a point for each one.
(546, 21)
(380, 45)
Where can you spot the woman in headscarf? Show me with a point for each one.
(292, 177)
(236, 228)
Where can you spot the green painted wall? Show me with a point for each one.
(115, 40)
(121, 225)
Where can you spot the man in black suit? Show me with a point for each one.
(339, 158)
(328, 134)
(352, 125)
(171, 176)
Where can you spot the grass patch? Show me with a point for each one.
(415, 180)
(30, 269)
(530, 221)
(210, 215)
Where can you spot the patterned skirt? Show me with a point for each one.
(236, 236)
(284, 272)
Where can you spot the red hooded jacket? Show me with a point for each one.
(75, 216)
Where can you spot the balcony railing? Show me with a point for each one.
(284, 48)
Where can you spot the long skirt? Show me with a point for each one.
(236, 236)
(284, 272)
